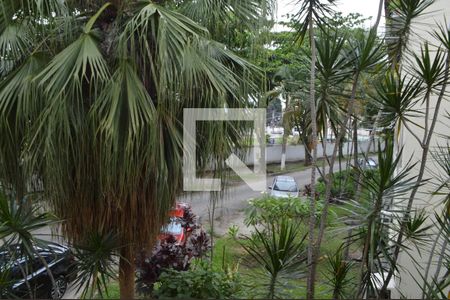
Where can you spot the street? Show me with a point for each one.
(230, 208)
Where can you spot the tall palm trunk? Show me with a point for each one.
(312, 218)
(355, 148)
(126, 273)
(285, 136)
(355, 140)
(430, 261)
(328, 180)
(308, 154)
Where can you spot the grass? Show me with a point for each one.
(113, 291)
(229, 252)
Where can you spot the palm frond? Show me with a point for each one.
(397, 98)
(317, 10)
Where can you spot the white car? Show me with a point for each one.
(284, 187)
(368, 163)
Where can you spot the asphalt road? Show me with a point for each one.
(230, 208)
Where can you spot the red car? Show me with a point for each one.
(180, 224)
(174, 229)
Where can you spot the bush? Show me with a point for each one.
(269, 208)
(343, 184)
(199, 282)
(168, 255)
(278, 249)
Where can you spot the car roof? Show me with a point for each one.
(51, 248)
(284, 178)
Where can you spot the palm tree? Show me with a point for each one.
(278, 249)
(93, 95)
(287, 86)
(312, 13)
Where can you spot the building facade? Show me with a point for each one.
(408, 284)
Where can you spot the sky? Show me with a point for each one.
(368, 8)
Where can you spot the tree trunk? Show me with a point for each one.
(126, 273)
(308, 156)
(355, 151)
(285, 136)
(328, 181)
(430, 261)
(355, 141)
(341, 155)
(212, 215)
(312, 218)
(283, 153)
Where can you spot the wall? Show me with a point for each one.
(297, 152)
(407, 285)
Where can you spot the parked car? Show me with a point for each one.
(29, 276)
(181, 239)
(369, 163)
(175, 229)
(180, 224)
(283, 187)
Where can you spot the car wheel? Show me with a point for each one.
(59, 289)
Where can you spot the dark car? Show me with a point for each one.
(29, 277)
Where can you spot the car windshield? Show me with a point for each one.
(172, 228)
(285, 186)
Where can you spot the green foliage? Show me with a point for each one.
(18, 222)
(233, 231)
(343, 186)
(279, 252)
(267, 208)
(199, 282)
(338, 274)
(417, 229)
(96, 264)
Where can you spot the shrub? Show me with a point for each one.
(199, 282)
(269, 208)
(343, 186)
(168, 255)
(279, 252)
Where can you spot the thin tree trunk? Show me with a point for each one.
(355, 150)
(366, 153)
(380, 10)
(126, 273)
(341, 154)
(324, 154)
(439, 262)
(312, 220)
(308, 156)
(329, 181)
(365, 257)
(273, 280)
(285, 136)
(212, 213)
(430, 261)
(283, 153)
(355, 141)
